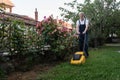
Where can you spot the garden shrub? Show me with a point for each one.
(25, 45)
(56, 36)
(29, 45)
(21, 42)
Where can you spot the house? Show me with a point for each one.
(6, 4)
(6, 12)
(26, 19)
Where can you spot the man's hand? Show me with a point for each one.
(78, 33)
(75, 35)
(84, 32)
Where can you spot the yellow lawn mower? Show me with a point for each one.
(79, 57)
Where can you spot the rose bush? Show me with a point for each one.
(57, 36)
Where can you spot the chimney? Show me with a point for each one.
(10, 10)
(36, 14)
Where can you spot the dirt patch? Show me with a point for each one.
(23, 76)
(119, 51)
(32, 74)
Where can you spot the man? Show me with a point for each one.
(82, 30)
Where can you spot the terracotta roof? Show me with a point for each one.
(7, 2)
(65, 24)
(27, 20)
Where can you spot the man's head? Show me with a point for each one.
(82, 15)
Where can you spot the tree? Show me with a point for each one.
(102, 15)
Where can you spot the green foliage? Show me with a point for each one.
(21, 42)
(2, 75)
(103, 64)
(23, 39)
(4, 31)
(69, 14)
(17, 37)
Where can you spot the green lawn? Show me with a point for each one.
(103, 64)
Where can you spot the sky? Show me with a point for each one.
(44, 7)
